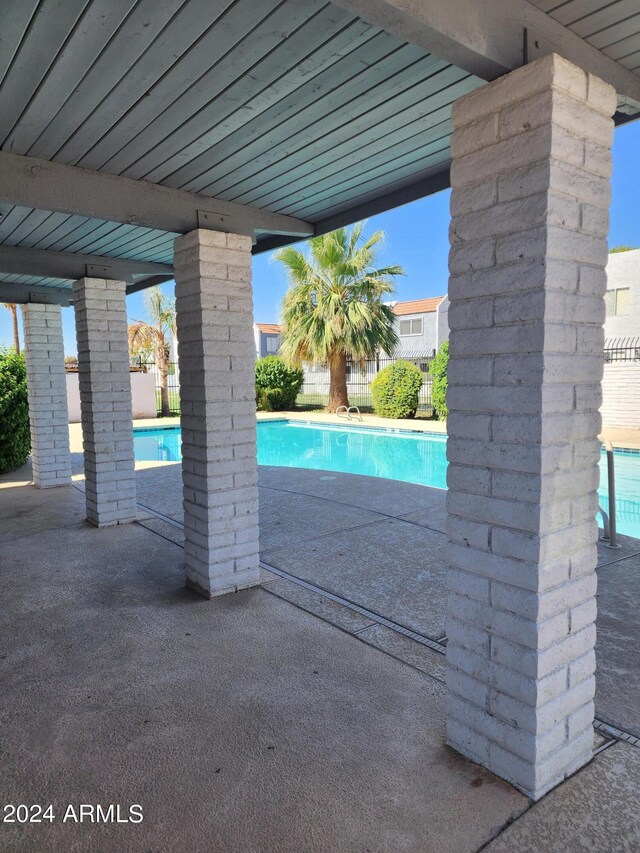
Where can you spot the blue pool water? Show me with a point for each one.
(394, 455)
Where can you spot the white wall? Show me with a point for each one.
(422, 344)
(143, 396)
(621, 395)
(442, 322)
(623, 270)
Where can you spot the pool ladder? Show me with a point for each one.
(610, 534)
(347, 412)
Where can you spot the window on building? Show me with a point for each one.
(622, 300)
(272, 345)
(617, 301)
(410, 327)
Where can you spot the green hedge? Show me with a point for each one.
(15, 439)
(438, 371)
(396, 390)
(277, 385)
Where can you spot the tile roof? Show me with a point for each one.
(417, 306)
(269, 328)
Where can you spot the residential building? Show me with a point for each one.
(621, 378)
(622, 298)
(267, 338)
(417, 326)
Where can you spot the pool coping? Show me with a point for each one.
(350, 424)
(312, 422)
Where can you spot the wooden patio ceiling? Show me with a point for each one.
(125, 122)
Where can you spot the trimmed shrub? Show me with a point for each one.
(396, 389)
(277, 385)
(15, 439)
(438, 371)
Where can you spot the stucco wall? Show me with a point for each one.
(623, 270)
(143, 396)
(621, 395)
(264, 337)
(442, 321)
(422, 344)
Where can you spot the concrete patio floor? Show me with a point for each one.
(239, 724)
(380, 544)
(252, 722)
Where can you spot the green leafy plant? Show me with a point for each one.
(277, 385)
(396, 389)
(15, 439)
(617, 249)
(438, 372)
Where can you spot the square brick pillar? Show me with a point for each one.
(105, 400)
(47, 390)
(530, 177)
(218, 411)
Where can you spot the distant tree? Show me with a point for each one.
(617, 249)
(14, 317)
(439, 383)
(153, 337)
(334, 308)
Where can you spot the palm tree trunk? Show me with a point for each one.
(338, 382)
(16, 337)
(164, 391)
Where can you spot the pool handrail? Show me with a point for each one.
(610, 534)
(347, 412)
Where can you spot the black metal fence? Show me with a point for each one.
(315, 390)
(622, 350)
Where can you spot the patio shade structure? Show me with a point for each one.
(143, 141)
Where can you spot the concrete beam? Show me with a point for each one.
(144, 283)
(404, 195)
(489, 39)
(72, 266)
(45, 185)
(25, 294)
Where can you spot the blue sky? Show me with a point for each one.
(417, 238)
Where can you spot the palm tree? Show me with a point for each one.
(333, 309)
(152, 337)
(14, 316)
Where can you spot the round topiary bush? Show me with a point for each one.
(277, 385)
(15, 439)
(438, 371)
(396, 390)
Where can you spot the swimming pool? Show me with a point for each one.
(412, 457)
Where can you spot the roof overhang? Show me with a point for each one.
(491, 38)
(276, 119)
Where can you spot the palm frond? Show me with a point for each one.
(334, 301)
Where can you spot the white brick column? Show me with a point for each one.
(530, 177)
(217, 402)
(47, 389)
(105, 400)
